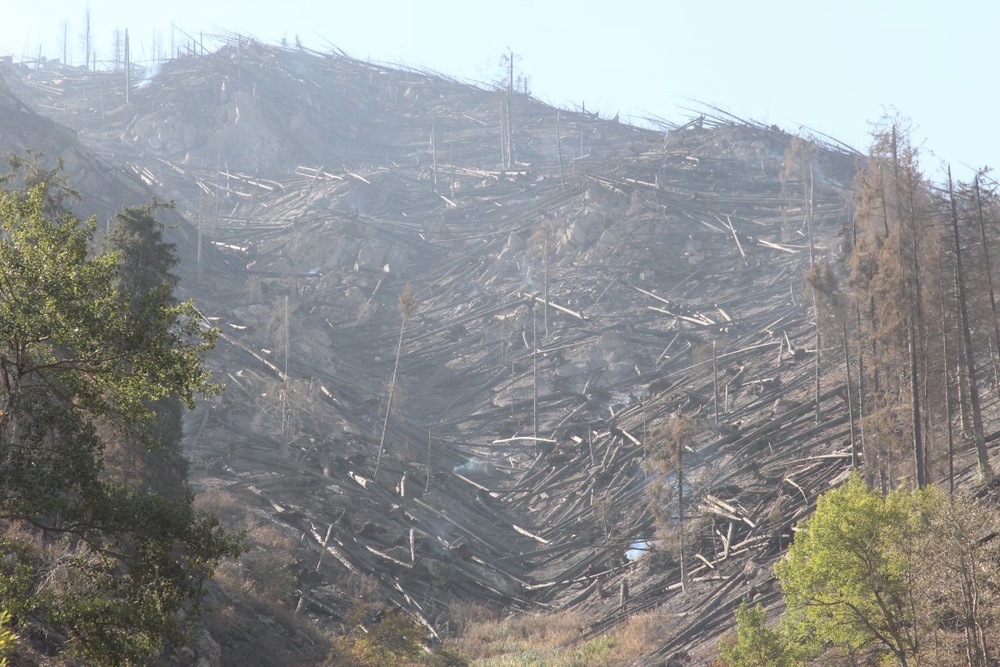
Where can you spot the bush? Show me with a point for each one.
(756, 645)
(392, 639)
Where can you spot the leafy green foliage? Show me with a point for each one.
(394, 639)
(912, 576)
(850, 571)
(64, 325)
(114, 569)
(27, 170)
(7, 637)
(144, 263)
(757, 645)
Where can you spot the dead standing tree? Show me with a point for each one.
(872, 279)
(986, 214)
(825, 286)
(407, 307)
(506, 133)
(666, 459)
(894, 237)
(982, 456)
(800, 162)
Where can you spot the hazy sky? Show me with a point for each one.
(834, 66)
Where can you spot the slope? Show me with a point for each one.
(576, 283)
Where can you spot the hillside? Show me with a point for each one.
(569, 283)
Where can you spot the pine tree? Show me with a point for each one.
(144, 265)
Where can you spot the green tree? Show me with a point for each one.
(27, 170)
(757, 645)
(7, 638)
(144, 266)
(145, 260)
(113, 572)
(849, 575)
(913, 576)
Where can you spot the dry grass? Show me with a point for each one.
(268, 537)
(255, 622)
(554, 640)
(229, 510)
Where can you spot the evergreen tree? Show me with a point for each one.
(144, 265)
(112, 572)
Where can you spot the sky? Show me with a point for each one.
(834, 67)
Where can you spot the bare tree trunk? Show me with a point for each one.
(949, 407)
(861, 387)
(963, 393)
(284, 391)
(86, 38)
(388, 404)
(819, 343)
(545, 283)
(989, 274)
(850, 398)
(680, 514)
(985, 473)
(810, 202)
(504, 132)
(434, 162)
(861, 403)
(920, 468)
(506, 140)
(715, 384)
(534, 372)
(128, 73)
(562, 176)
(913, 310)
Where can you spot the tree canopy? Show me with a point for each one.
(755, 644)
(911, 575)
(850, 570)
(144, 263)
(111, 570)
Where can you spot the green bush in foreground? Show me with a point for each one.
(911, 577)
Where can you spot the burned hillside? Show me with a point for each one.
(455, 320)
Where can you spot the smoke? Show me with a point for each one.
(473, 468)
(149, 74)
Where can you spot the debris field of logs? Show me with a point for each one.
(575, 282)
